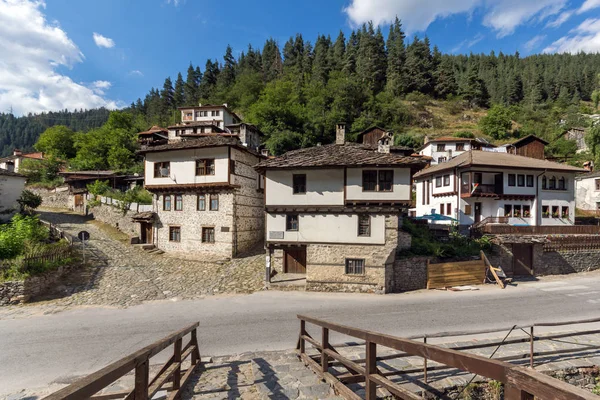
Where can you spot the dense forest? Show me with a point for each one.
(296, 93)
(23, 132)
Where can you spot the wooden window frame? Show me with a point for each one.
(508, 207)
(205, 167)
(367, 232)
(555, 212)
(512, 177)
(438, 181)
(158, 165)
(546, 211)
(446, 180)
(298, 187)
(203, 197)
(526, 209)
(374, 181)
(448, 209)
(289, 222)
(561, 183)
(171, 230)
(597, 183)
(529, 181)
(564, 215)
(175, 197)
(442, 207)
(552, 183)
(521, 180)
(165, 202)
(210, 205)
(354, 266)
(386, 182)
(468, 209)
(460, 147)
(206, 229)
(517, 211)
(440, 147)
(544, 183)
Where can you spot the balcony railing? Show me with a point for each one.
(480, 190)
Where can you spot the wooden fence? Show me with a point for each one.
(455, 273)
(566, 243)
(144, 388)
(44, 257)
(519, 383)
(541, 230)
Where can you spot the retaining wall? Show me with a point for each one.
(16, 292)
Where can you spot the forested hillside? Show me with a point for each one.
(23, 132)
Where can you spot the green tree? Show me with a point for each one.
(497, 123)
(475, 90)
(445, 79)
(179, 92)
(592, 139)
(596, 98)
(57, 141)
(29, 201)
(396, 58)
(190, 89)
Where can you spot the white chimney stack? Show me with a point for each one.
(340, 133)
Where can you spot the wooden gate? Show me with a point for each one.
(295, 260)
(455, 274)
(522, 259)
(146, 232)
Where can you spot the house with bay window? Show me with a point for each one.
(333, 212)
(479, 187)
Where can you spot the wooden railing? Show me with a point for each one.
(570, 243)
(139, 361)
(519, 382)
(490, 220)
(44, 257)
(541, 230)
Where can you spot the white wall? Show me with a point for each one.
(444, 189)
(323, 187)
(586, 195)
(223, 119)
(326, 228)
(401, 188)
(450, 151)
(183, 166)
(10, 190)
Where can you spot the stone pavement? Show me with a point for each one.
(117, 274)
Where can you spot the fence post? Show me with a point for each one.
(177, 359)
(302, 333)
(325, 344)
(141, 380)
(512, 392)
(196, 352)
(425, 363)
(371, 368)
(531, 346)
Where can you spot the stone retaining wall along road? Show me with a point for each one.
(53, 198)
(15, 292)
(114, 216)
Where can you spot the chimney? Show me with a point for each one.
(340, 133)
(17, 152)
(589, 165)
(385, 143)
(425, 139)
(264, 152)
(225, 104)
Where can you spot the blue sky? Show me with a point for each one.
(80, 54)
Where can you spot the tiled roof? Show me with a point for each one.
(5, 172)
(500, 160)
(196, 143)
(154, 129)
(594, 174)
(334, 155)
(528, 139)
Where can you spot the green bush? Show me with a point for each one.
(98, 188)
(21, 233)
(29, 201)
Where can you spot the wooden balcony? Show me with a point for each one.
(481, 190)
(540, 230)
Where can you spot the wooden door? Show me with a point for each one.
(146, 229)
(522, 259)
(477, 212)
(295, 260)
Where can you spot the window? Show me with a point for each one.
(205, 167)
(423, 193)
(597, 181)
(526, 211)
(529, 180)
(517, 211)
(299, 184)
(545, 211)
(162, 169)
(355, 266)
(208, 235)
(521, 180)
(214, 202)
(552, 183)
(291, 222)
(446, 180)
(441, 160)
(428, 189)
(478, 177)
(555, 212)
(364, 225)
(544, 183)
(167, 202)
(511, 179)
(508, 210)
(441, 209)
(438, 181)
(562, 183)
(178, 202)
(565, 212)
(174, 234)
(441, 147)
(201, 202)
(215, 113)
(460, 146)
(449, 209)
(468, 210)
(386, 181)
(369, 181)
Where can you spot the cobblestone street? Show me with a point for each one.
(118, 274)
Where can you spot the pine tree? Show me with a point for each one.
(321, 64)
(227, 75)
(475, 91)
(371, 59)
(167, 101)
(338, 52)
(349, 67)
(190, 89)
(396, 58)
(271, 61)
(515, 89)
(445, 79)
(419, 67)
(178, 94)
(209, 80)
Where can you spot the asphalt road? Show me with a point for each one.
(38, 350)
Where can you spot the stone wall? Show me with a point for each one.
(115, 217)
(408, 274)
(54, 198)
(15, 292)
(565, 262)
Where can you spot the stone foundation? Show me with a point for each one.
(16, 292)
(54, 198)
(408, 274)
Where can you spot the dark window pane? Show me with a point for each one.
(386, 181)
(299, 184)
(291, 222)
(369, 180)
(364, 225)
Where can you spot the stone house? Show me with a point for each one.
(13, 163)
(578, 135)
(443, 149)
(11, 187)
(587, 191)
(208, 199)
(479, 187)
(333, 213)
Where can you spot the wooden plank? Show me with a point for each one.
(312, 341)
(163, 378)
(394, 388)
(111, 396)
(141, 381)
(351, 365)
(176, 394)
(371, 368)
(544, 387)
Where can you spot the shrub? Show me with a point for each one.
(29, 201)
(497, 123)
(98, 188)
(465, 134)
(21, 232)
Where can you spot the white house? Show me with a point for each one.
(479, 187)
(587, 191)
(332, 212)
(13, 163)
(11, 186)
(445, 148)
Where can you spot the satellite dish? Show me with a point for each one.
(164, 172)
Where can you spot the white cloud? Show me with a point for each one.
(534, 42)
(32, 49)
(174, 2)
(501, 15)
(136, 72)
(588, 5)
(561, 19)
(103, 41)
(468, 43)
(100, 87)
(586, 37)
